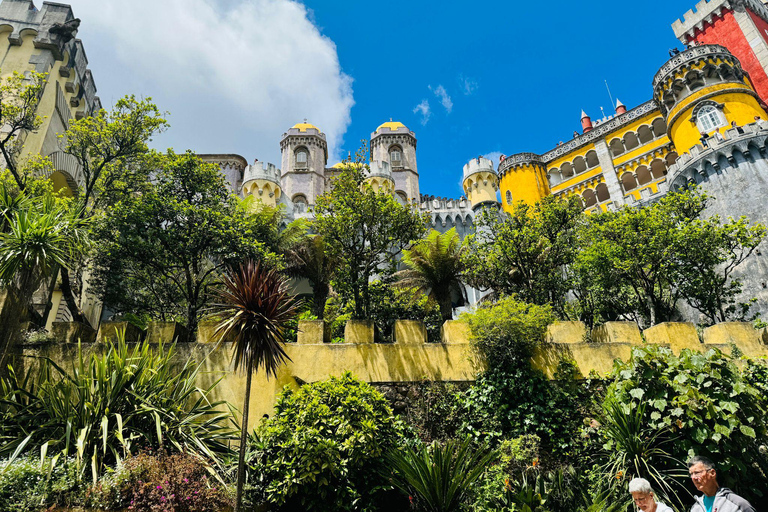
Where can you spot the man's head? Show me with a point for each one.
(642, 495)
(703, 474)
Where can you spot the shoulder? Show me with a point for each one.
(740, 502)
(662, 507)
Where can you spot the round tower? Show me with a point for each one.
(262, 181)
(522, 177)
(304, 157)
(702, 91)
(480, 183)
(394, 143)
(380, 178)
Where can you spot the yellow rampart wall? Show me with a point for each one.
(410, 358)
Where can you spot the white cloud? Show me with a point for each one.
(442, 95)
(424, 110)
(235, 75)
(468, 85)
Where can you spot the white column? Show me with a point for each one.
(609, 172)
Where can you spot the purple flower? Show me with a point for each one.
(186, 480)
(159, 486)
(162, 498)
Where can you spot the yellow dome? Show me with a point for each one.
(392, 125)
(344, 165)
(302, 127)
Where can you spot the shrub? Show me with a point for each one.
(706, 404)
(323, 447)
(507, 331)
(160, 483)
(436, 411)
(111, 405)
(26, 484)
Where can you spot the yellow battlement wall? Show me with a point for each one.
(409, 359)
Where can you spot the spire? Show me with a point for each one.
(586, 122)
(620, 108)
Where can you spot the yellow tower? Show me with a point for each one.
(480, 183)
(522, 177)
(380, 178)
(262, 181)
(701, 92)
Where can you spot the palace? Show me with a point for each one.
(705, 122)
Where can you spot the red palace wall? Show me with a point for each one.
(725, 31)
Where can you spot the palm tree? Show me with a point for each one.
(310, 260)
(256, 306)
(440, 477)
(40, 235)
(435, 267)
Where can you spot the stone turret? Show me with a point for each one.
(380, 177)
(304, 156)
(480, 183)
(394, 143)
(262, 181)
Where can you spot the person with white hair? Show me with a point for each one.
(643, 496)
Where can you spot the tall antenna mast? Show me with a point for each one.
(613, 103)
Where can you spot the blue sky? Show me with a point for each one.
(495, 76)
(531, 66)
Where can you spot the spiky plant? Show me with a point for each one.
(440, 477)
(435, 267)
(256, 305)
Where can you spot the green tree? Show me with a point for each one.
(365, 231)
(257, 309)
(435, 267)
(309, 259)
(111, 149)
(41, 233)
(162, 250)
(19, 97)
(639, 262)
(527, 251)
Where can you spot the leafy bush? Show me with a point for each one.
(507, 331)
(436, 412)
(389, 303)
(706, 404)
(323, 447)
(161, 483)
(31, 484)
(111, 405)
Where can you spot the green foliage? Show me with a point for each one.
(28, 484)
(162, 483)
(161, 252)
(439, 477)
(309, 259)
(633, 450)
(703, 402)
(20, 96)
(110, 405)
(507, 331)
(323, 447)
(436, 412)
(435, 267)
(388, 303)
(524, 252)
(636, 263)
(364, 231)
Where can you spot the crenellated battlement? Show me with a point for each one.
(262, 171)
(702, 162)
(707, 11)
(380, 169)
(478, 165)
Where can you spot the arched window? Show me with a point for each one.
(395, 156)
(509, 197)
(299, 204)
(301, 158)
(709, 118)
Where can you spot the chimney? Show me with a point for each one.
(586, 122)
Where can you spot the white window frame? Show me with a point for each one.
(709, 118)
(299, 163)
